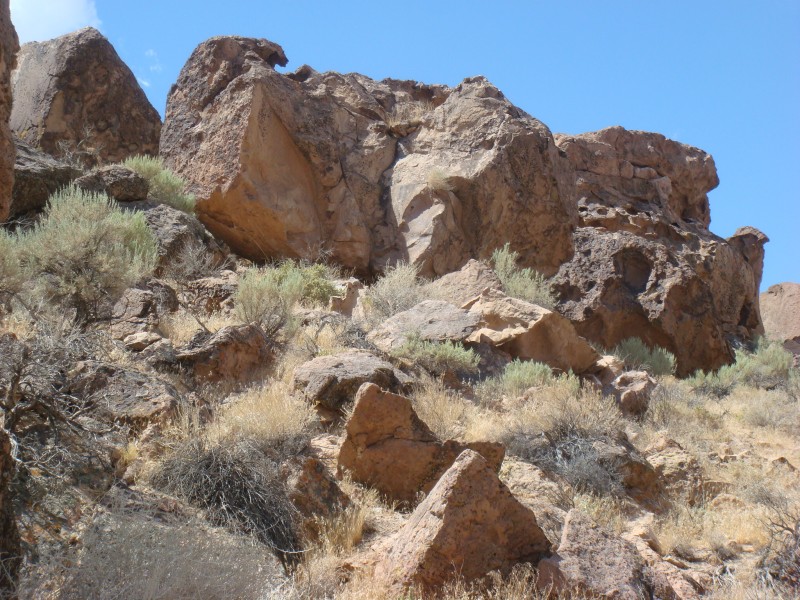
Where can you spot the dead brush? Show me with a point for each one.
(238, 487)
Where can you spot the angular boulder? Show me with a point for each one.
(120, 183)
(389, 448)
(9, 45)
(36, 177)
(332, 381)
(235, 353)
(77, 99)
(780, 309)
(313, 492)
(468, 526)
(593, 561)
(431, 320)
(645, 261)
(529, 332)
(678, 471)
(291, 165)
(460, 287)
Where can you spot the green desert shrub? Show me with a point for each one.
(165, 186)
(637, 355)
(397, 290)
(317, 284)
(83, 253)
(525, 284)
(767, 367)
(438, 357)
(517, 377)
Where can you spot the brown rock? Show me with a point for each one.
(138, 309)
(780, 308)
(469, 525)
(36, 177)
(645, 263)
(210, 294)
(389, 448)
(10, 549)
(678, 471)
(120, 183)
(137, 342)
(431, 320)
(332, 381)
(346, 300)
(76, 98)
(461, 286)
(9, 45)
(313, 492)
(234, 353)
(529, 332)
(288, 165)
(665, 579)
(593, 561)
(632, 391)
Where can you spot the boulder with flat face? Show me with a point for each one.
(76, 99)
(780, 308)
(468, 526)
(36, 177)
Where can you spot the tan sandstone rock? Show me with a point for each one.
(592, 560)
(469, 525)
(645, 261)
(389, 448)
(780, 309)
(632, 391)
(529, 332)
(9, 45)
(461, 286)
(371, 172)
(76, 98)
(678, 471)
(313, 492)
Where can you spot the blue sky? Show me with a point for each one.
(723, 75)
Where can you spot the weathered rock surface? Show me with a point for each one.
(780, 309)
(122, 394)
(313, 492)
(632, 391)
(9, 45)
(678, 471)
(75, 97)
(235, 353)
(332, 381)
(36, 177)
(529, 332)
(288, 165)
(459, 287)
(594, 561)
(389, 448)
(644, 259)
(138, 310)
(120, 183)
(431, 320)
(469, 525)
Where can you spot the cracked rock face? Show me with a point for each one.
(370, 171)
(75, 96)
(9, 45)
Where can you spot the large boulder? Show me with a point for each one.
(529, 332)
(389, 448)
(120, 183)
(780, 308)
(468, 526)
(593, 561)
(236, 353)
(645, 263)
(371, 172)
(76, 98)
(462, 286)
(9, 45)
(36, 177)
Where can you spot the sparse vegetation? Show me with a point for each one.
(439, 181)
(523, 283)
(397, 290)
(637, 355)
(165, 186)
(517, 377)
(438, 357)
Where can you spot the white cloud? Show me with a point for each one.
(155, 63)
(143, 82)
(39, 20)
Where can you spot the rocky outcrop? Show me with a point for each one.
(75, 98)
(678, 471)
(9, 45)
(235, 353)
(645, 261)
(593, 561)
(529, 332)
(389, 448)
(469, 525)
(36, 177)
(462, 286)
(331, 382)
(780, 308)
(371, 172)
